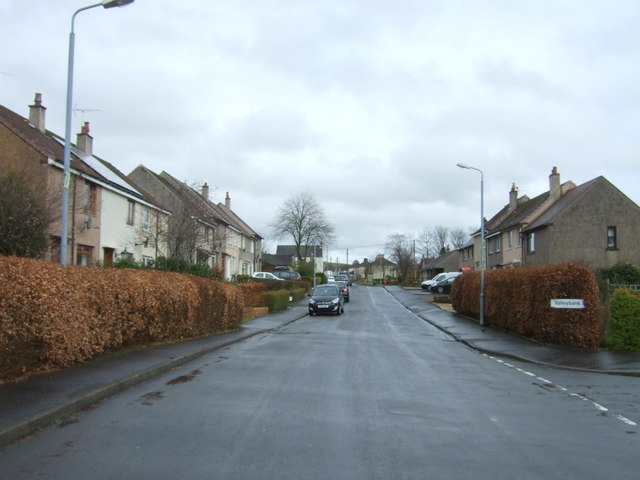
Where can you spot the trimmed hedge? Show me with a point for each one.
(276, 300)
(624, 326)
(518, 300)
(53, 316)
(253, 293)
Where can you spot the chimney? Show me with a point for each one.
(227, 201)
(205, 191)
(554, 184)
(36, 113)
(85, 141)
(513, 198)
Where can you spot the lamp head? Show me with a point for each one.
(116, 3)
(463, 165)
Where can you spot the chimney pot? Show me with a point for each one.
(37, 113)
(227, 201)
(85, 141)
(205, 191)
(513, 198)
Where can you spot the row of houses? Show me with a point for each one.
(141, 216)
(593, 224)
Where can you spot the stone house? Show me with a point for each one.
(594, 224)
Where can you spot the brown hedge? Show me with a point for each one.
(53, 317)
(518, 300)
(253, 293)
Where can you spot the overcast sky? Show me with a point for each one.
(366, 104)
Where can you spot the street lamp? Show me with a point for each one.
(482, 240)
(67, 130)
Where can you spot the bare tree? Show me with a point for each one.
(426, 243)
(302, 219)
(26, 214)
(458, 237)
(401, 252)
(441, 235)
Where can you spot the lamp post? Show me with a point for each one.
(67, 129)
(483, 263)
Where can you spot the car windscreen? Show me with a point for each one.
(326, 290)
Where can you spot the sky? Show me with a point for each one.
(368, 105)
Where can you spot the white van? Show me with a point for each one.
(427, 284)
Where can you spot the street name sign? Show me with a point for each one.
(567, 303)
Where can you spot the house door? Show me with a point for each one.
(108, 256)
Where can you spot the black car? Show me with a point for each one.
(343, 277)
(344, 286)
(444, 286)
(326, 298)
(286, 274)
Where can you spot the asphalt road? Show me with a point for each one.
(376, 393)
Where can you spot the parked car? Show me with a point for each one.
(266, 275)
(344, 286)
(326, 298)
(331, 279)
(343, 277)
(427, 284)
(444, 286)
(281, 268)
(287, 274)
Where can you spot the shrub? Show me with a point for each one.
(125, 262)
(624, 326)
(276, 300)
(621, 273)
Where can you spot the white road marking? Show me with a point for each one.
(597, 406)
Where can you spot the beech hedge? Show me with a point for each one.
(53, 316)
(519, 300)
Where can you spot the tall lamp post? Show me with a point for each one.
(67, 129)
(483, 263)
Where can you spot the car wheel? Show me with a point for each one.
(440, 290)
(310, 313)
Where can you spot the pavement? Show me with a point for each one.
(41, 400)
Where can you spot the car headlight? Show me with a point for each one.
(335, 300)
(312, 301)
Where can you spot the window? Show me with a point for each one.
(147, 260)
(531, 242)
(131, 207)
(612, 238)
(495, 244)
(84, 255)
(510, 240)
(89, 193)
(146, 219)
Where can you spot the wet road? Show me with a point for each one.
(376, 393)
